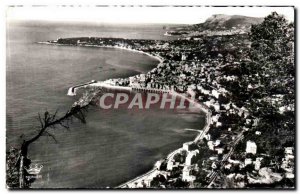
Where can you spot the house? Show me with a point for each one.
(251, 147)
(220, 150)
(257, 133)
(288, 150)
(207, 137)
(217, 142)
(289, 175)
(190, 156)
(248, 121)
(248, 161)
(217, 106)
(215, 118)
(210, 145)
(257, 163)
(215, 93)
(186, 176)
(183, 57)
(218, 124)
(172, 164)
(233, 161)
(228, 166)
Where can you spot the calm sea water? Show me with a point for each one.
(113, 146)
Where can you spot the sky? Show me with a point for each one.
(171, 15)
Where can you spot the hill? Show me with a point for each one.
(218, 24)
(222, 21)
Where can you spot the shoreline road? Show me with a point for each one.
(214, 174)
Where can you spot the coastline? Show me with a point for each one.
(114, 47)
(153, 172)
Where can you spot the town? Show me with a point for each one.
(248, 86)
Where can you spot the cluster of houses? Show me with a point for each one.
(288, 162)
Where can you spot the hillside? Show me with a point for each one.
(218, 24)
(221, 21)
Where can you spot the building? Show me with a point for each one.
(288, 150)
(257, 133)
(183, 57)
(257, 163)
(186, 176)
(219, 150)
(172, 164)
(248, 161)
(190, 156)
(211, 145)
(251, 147)
(215, 93)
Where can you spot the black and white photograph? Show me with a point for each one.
(150, 97)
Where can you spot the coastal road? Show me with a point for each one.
(129, 184)
(214, 174)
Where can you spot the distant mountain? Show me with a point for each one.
(222, 21)
(218, 24)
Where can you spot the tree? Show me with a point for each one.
(17, 162)
(272, 51)
(49, 121)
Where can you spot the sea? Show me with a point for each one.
(112, 146)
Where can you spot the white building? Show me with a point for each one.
(170, 165)
(207, 137)
(251, 147)
(248, 161)
(228, 166)
(218, 124)
(210, 145)
(186, 176)
(190, 156)
(217, 106)
(257, 133)
(257, 163)
(215, 93)
(220, 150)
(288, 150)
(183, 57)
